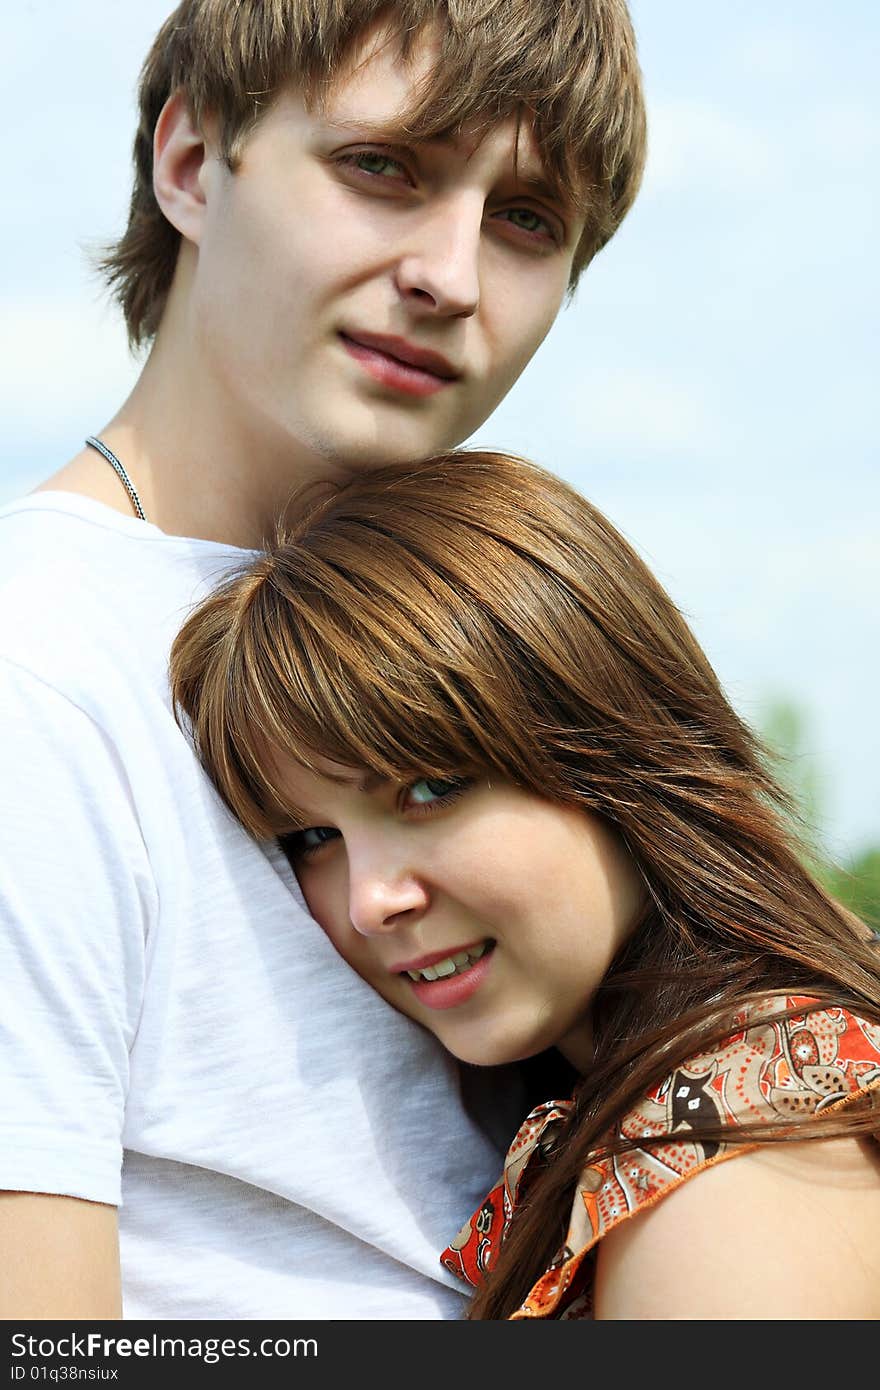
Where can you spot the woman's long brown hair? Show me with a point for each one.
(473, 613)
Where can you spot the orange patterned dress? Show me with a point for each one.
(808, 1064)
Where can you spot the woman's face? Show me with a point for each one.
(482, 911)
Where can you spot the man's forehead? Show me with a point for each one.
(379, 87)
(379, 58)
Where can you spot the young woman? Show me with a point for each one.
(519, 804)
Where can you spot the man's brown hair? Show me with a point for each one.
(567, 66)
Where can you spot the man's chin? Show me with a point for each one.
(405, 447)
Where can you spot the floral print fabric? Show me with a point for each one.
(808, 1064)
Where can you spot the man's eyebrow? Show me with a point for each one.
(533, 181)
(355, 125)
(542, 187)
(389, 130)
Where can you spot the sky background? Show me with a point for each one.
(713, 386)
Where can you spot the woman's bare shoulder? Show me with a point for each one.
(788, 1230)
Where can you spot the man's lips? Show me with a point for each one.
(403, 351)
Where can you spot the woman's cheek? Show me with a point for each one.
(321, 899)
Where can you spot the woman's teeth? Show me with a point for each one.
(452, 965)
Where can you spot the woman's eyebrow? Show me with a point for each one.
(296, 818)
(367, 782)
(371, 781)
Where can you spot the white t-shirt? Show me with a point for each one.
(177, 1036)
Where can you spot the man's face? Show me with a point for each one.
(372, 301)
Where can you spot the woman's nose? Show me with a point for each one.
(381, 893)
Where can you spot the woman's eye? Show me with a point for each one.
(302, 842)
(429, 790)
(376, 164)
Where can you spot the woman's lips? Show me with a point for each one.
(410, 378)
(452, 990)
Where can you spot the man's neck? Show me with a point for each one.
(197, 471)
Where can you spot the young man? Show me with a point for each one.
(352, 225)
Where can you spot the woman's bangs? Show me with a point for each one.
(360, 707)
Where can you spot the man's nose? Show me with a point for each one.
(439, 272)
(383, 891)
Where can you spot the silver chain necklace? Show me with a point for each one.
(120, 471)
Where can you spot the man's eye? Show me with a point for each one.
(304, 842)
(527, 220)
(427, 791)
(376, 164)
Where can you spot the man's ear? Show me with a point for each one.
(181, 152)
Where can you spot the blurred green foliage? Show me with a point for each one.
(858, 885)
(856, 882)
